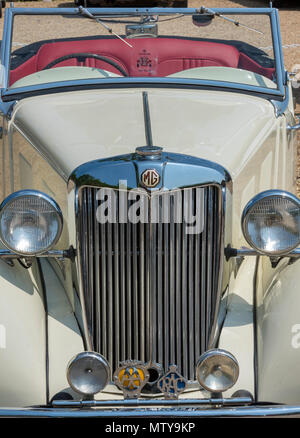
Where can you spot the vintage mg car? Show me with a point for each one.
(149, 223)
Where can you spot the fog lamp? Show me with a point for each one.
(88, 373)
(30, 222)
(271, 222)
(217, 370)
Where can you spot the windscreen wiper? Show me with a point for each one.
(86, 13)
(204, 10)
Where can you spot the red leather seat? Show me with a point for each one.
(147, 57)
(158, 57)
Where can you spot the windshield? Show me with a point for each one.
(195, 47)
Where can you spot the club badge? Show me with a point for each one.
(172, 383)
(131, 377)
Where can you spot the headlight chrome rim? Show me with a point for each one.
(249, 206)
(220, 353)
(88, 355)
(46, 198)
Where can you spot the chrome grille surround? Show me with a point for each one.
(134, 310)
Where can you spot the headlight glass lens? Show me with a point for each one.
(217, 370)
(30, 222)
(271, 222)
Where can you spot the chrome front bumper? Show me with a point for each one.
(130, 409)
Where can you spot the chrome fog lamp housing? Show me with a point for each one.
(88, 373)
(271, 222)
(217, 370)
(30, 222)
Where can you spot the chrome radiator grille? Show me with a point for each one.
(150, 288)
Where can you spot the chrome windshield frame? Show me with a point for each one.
(18, 93)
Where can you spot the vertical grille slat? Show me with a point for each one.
(97, 291)
(184, 292)
(203, 274)
(151, 288)
(166, 289)
(123, 334)
(90, 214)
(102, 273)
(172, 292)
(128, 317)
(142, 305)
(159, 329)
(116, 286)
(111, 297)
(135, 297)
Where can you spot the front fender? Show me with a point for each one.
(22, 337)
(278, 328)
(34, 348)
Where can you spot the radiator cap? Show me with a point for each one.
(149, 151)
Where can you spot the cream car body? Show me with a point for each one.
(46, 135)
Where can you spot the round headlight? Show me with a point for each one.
(30, 222)
(271, 222)
(217, 370)
(88, 373)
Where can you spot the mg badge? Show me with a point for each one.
(131, 377)
(172, 383)
(150, 178)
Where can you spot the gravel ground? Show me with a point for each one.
(289, 22)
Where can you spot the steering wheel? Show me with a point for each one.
(82, 56)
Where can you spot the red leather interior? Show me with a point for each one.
(247, 63)
(148, 57)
